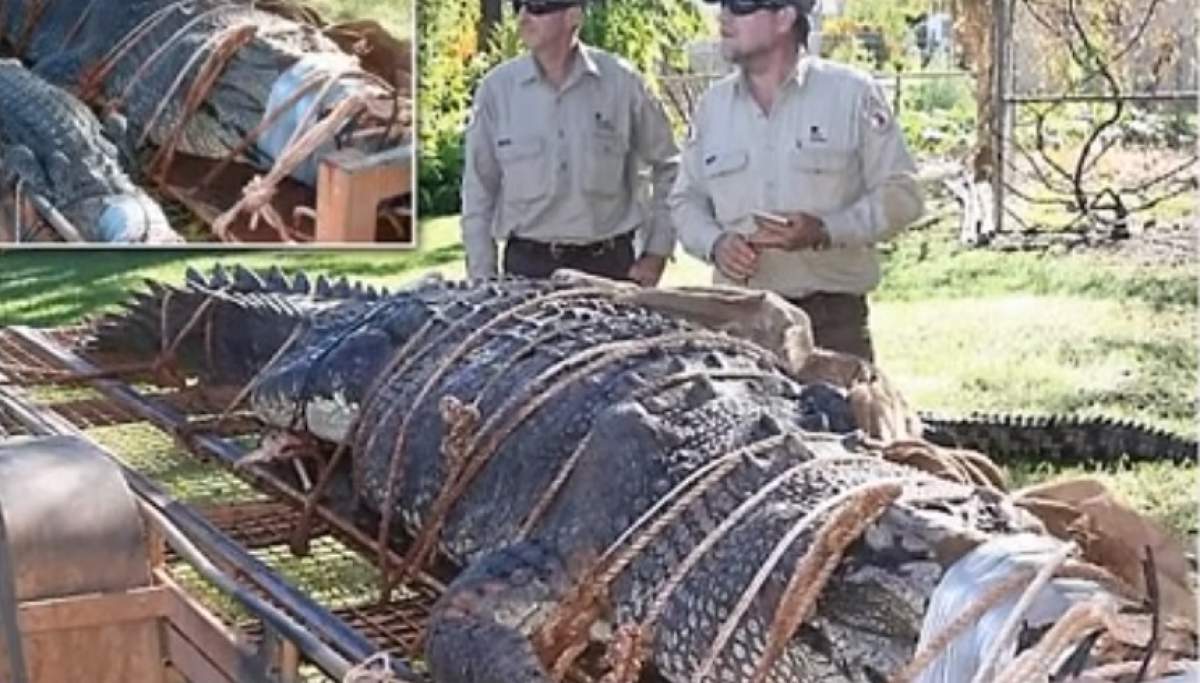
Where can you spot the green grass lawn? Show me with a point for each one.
(394, 15)
(957, 330)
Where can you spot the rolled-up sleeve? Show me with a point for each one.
(893, 198)
(690, 201)
(480, 187)
(655, 146)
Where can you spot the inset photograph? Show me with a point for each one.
(206, 123)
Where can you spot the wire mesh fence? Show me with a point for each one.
(1099, 138)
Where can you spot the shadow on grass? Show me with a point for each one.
(47, 288)
(373, 264)
(931, 265)
(1161, 365)
(66, 285)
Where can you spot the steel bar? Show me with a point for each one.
(209, 538)
(55, 219)
(316, 651)
(12, 653)
(1174, 96)
(920, 75)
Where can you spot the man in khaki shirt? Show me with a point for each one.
(552, 159)
(795, 169)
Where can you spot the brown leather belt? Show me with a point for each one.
(561, 250)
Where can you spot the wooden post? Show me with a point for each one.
(350, 186)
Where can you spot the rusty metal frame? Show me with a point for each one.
(344, 629)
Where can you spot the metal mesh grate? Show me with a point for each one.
(256, 524)
(151, 452)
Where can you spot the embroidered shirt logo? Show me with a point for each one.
(815, 135)
(604, 124)
(878, 116)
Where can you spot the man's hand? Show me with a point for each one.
(802, 231)
(735, 256)
(648, 269)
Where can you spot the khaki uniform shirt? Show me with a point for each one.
(829, 147)
(562, 165)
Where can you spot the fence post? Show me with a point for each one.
(999, 108)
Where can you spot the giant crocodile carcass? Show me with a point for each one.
(604, 470)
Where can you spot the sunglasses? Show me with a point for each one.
(537, 8)
(744, 7)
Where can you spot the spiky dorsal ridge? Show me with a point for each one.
(261, 298)
(1063, 439)
(273, 280)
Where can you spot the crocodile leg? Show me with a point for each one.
(480, 630)
(17, 161)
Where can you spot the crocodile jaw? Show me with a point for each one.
(328, 417)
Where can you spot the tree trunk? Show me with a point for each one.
(972, 27)
(491, 12)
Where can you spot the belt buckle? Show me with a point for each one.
(602, 247)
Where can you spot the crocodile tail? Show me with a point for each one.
(224, 327)
(1062, 440)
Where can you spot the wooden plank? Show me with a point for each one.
(222, 645)
(289, 662)
(116, 653)
(86, 611)
(350, 187)
(190, 662)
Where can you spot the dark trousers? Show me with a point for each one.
(839, 322)
(611, 258)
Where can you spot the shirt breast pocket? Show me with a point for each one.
(604, 164)
(523, 164)
(727, 173)
(823, 176)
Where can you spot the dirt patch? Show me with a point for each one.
(1171, 244)
(1149, 243)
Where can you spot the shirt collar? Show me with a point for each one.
(585, 63)
(797, 75)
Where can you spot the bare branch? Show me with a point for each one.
(1118, 108)
(1175, 170)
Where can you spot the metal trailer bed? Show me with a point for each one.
(241, 519)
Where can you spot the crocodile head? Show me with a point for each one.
(96, 198)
